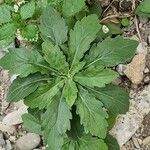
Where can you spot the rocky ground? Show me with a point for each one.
(132, 130)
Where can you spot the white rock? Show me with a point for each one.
(14, 117)
(127, 124)
(105, 29)
(7, 128)
(121, 68)
(135, 70)
(141, 49)
(28, 141)
(146, 141)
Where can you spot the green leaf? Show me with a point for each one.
(30, 33)
(144, 9)
(70, 92)
(96, 8)
(71, 7)
(81, 37)
(92, 143)
(114, 98)
(27, 10)
(5, 13)
(21, 61)
(43, 95)
(114, 28)
(92, 115)
(55, 122)
(86, 142)
(95, 76)
(22, 87)
(112, 143)
(32, 123)
(53, 26)
(55, 57)
(6, 42)
(112, 51)
(7, 30)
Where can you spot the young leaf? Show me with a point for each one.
(71, 7)
(7, 30)
(92, 115)
(112, 143)
(43, 95)
(52, 26)
(81, 37)
(70, 92)
(95, 76)
(114, 98)
(32, 123)
(55, 57)
(27, 10)
(112, 51)
(5, 13)
(22, 87)
(55, 122)
(30, 32)
(21, 61)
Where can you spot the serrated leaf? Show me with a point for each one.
(114, 98)
(112, 143)
(21, 61)
(71, 7)
(86, 142)
(95, 76)
(22, 87)
(92, 115)
(55, 122)
(5, 13)
(27, 10)
(30, 32)
(70, 92)
(43, 95)
(112, 51)
(55, 57)
(52, 26)
(7, 30)
(32, 123)
(81, 36)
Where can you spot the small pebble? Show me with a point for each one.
(146, 141)
(28, 141)
(146, 70)
(8, 145)
(147, 79)
(121, 68)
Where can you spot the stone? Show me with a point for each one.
(14, 117)
(141, 49)
(8, 145)
(135, 70)
(146, 70)
(28, 141)
(2, 141)
(147, 79)
(146, 141)
(127, 124)
(7, 128)
(120, 69)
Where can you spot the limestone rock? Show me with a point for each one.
(28, 141)
(135, 70)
